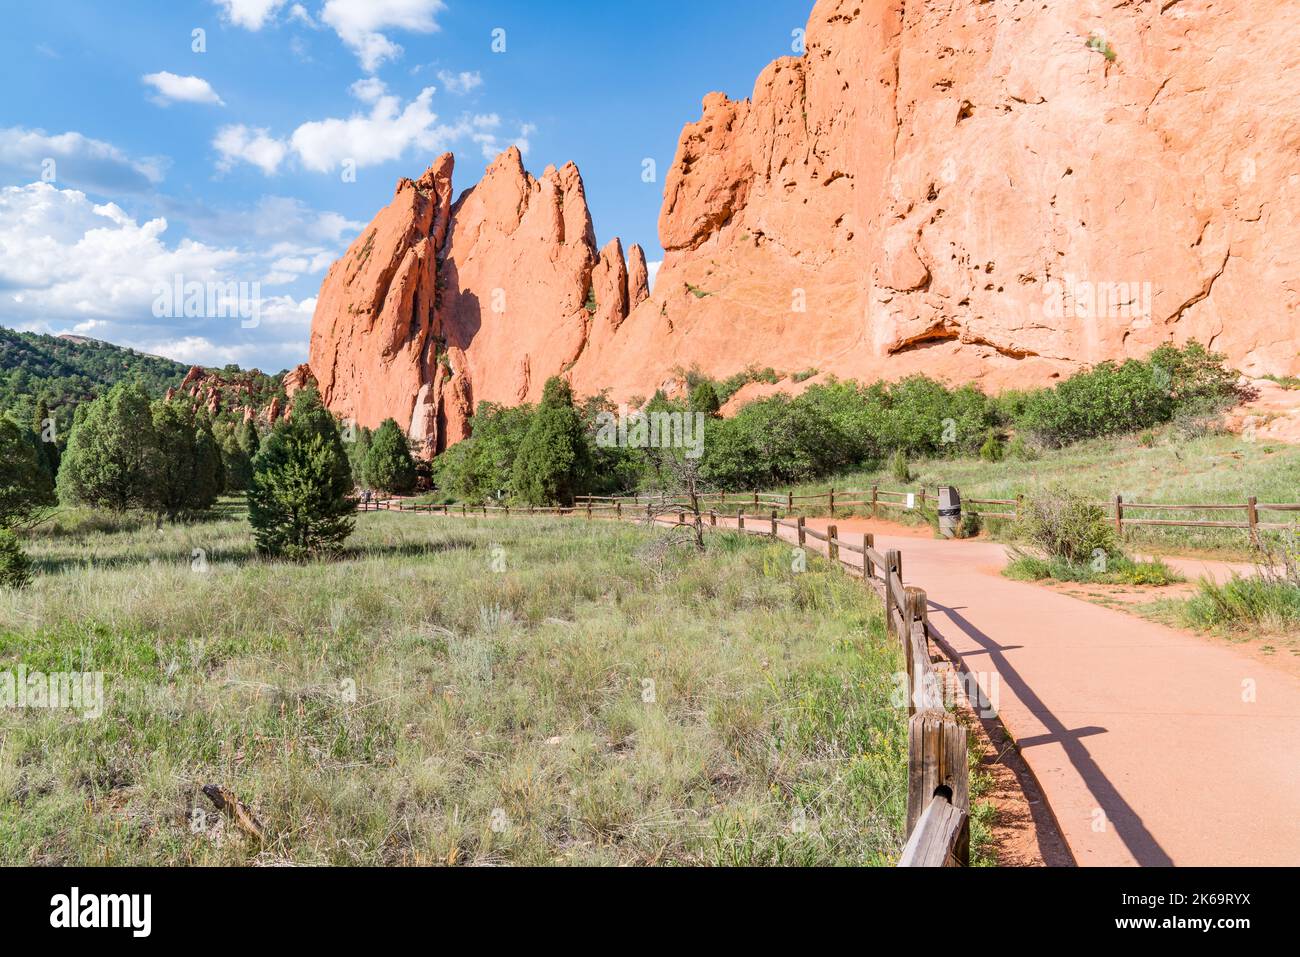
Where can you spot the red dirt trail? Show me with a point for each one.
(1153, 746)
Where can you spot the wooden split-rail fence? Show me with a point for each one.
(1121, 512)
(938, 789)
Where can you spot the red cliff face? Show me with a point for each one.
(1001, 192)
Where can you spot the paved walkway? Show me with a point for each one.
(1152, 746)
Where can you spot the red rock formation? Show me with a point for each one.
(439, 307)
(999, 192)
(297, 380)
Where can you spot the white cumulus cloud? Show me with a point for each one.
(183, 89)
(68, 264)
(72, 159)
(256, 146)
(359, 24)
(249, 14)
(460, 83)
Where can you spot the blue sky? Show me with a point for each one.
(128, 158)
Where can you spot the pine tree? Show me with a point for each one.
(191, 475)
(25, 487)
(235, 458)
(704, 398)
(249, 440)
(388, 464)
(112, 458)
(15, 566)
(358, 449)
(554, 461)
(47, 437)
(300, 502)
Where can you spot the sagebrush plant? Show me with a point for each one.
(1065, 525)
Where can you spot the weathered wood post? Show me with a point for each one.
(740, 519)
(868, 569)
(649, 512)
(833, 543)
(891, 574)
(618, 510)
(875, 501)
(755, 500)
(803, 534)
(589, 510)
(774, 534)
(713, 517)
(464, 510)
(832, 501)
(789, 501)
(681, 517)
(937, 767)
(1119, 516)
(1252, 516)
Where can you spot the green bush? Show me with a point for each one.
(25, 487)
(992, 450)
(1111, 399)
(481, 468)
(300, 502)
(554, 460)
(389, 466)
(899, 467)
(191, 474)
(112, 459)
(1065, 525)
(15, 566)
(1243, 602)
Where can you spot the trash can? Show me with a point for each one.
(949, 511)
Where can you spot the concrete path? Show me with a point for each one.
(1152, 746)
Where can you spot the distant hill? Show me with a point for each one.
(66, 370)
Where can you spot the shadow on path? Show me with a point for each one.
(1119, 814)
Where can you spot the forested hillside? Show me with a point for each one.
(66, 371)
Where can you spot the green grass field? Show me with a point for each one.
(1211, 469)
(523, 691)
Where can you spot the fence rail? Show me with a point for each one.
(938, 793)
(1118, 510)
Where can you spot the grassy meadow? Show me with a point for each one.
(1162, 468)
(523, 691)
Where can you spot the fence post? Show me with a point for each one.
(833, 543)
(892, 561)
(875, 501)
(740, 519)
(832, 493)
(789, 501)
(1252, 516)
(755, 500)
(589, 510)
(1119, 516)
(868, 569)
(713, 517)
(464, 510)
(803, 535)
(937, 764)
(618, 510)
(774, 523)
